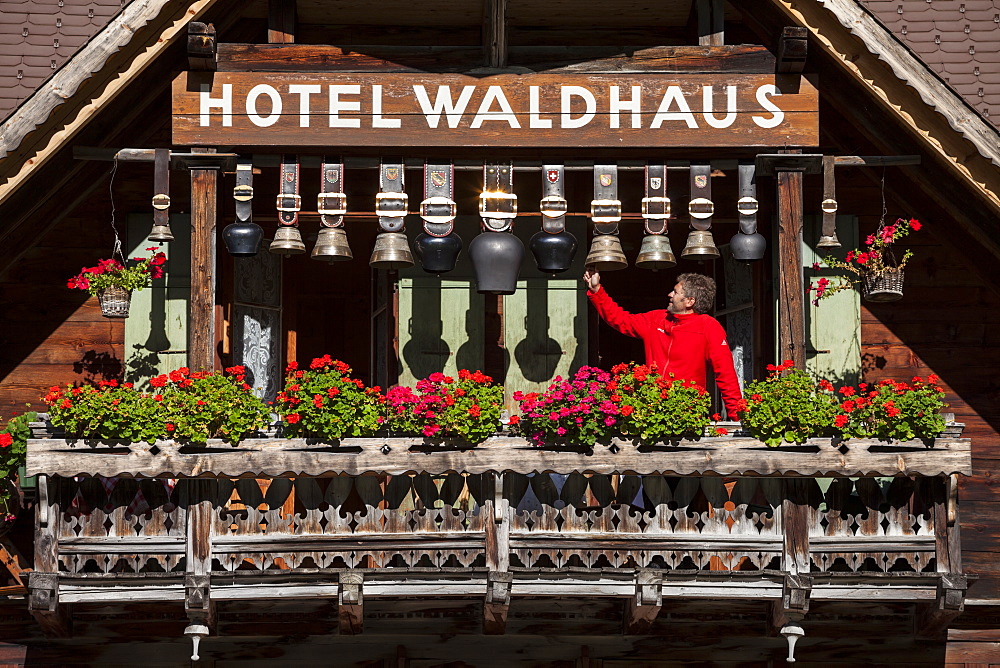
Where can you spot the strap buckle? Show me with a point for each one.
(655, 208)
(701, 207)
(392, 205)
(161, 201)
(331, 204)
(296, 204)
(553, 206)
(438, 209)
(243, 193)
(494, 204)
(606, 210)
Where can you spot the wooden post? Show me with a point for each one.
(199, 498)
(350, 603)
(642, 609)
(201, 319)
(932, 619)
(495, 33)
(499, 577)
(791, 291)
(281, 20)
(711, 22)
(43, 581)
(797, 585)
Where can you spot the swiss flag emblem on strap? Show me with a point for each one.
(724, 342)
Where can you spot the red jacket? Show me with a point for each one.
(679, 344)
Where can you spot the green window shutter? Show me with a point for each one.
(833, 328)
(156, 329)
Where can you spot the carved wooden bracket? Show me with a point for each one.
(643, 608)
(43, 602)
(932, 619)
(497, 602)
(201, 47)
(350, 599)
(795, 592)
(197, 594)
(793, 49)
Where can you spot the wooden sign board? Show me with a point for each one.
(507, 110)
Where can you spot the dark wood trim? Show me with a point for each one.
(495, 33)
(791, 296)
(281, 21)
(201, 317)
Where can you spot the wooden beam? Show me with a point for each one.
(198, 496)
(793, 48)
(350, 603)
(495, 33)
(499, 577)
(791, 295)
(201, 318)
(642, 609)
(12, 559)
(43, 582)
(201, 46)
(711, 22)
(281, 21)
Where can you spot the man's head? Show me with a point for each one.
(694, 293)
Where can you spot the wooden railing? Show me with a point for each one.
(719, 517)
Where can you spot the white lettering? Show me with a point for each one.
(443, 103)
(618, 106)
(337, 105)
(673, 94)
(777, 114)
(534, 120)
(225, 103)
(255, 118)
(377, 120)
(707, 103)
(566, 95)
(304, 91)
(495, 93)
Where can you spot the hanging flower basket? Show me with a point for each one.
(885, 287)
(114, 301)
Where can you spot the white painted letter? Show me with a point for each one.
(706, 107)
(633, 105)
(304, 91)
(484, 113)
(778, 114)
(337, 105)
(263, 121)
(377, 120)
(225, 103)
(567, 92)
(534, 120)
(674, 94)
(443, 102)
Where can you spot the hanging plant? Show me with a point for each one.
(113, 282)
(876, 271)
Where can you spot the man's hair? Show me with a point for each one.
(701, 288)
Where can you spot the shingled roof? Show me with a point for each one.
(38, 36)
(959, 40)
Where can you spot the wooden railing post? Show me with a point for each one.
(791, 292)
(201, 319)
(499, 577)
(795, 559)
(43, 581)
(933, 618)
(200, 502)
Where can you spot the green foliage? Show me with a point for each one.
(655, 408)
(787, 407)
(893, 410)
(578, 410)
(442, 407)
(108, 410)
(324, 402)
(13, 446)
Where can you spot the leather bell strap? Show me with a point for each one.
(553, 205)
(701, 207)
(655, 203)
(829, 206)
(438, 209)
(161, 187)
(606, 208)
(243, 192)
(289, 202)
(747, 204)
(331, 203)
(391, 203)
(498, 203)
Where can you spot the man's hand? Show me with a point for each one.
(592, 278)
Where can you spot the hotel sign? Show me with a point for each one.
(514, 110)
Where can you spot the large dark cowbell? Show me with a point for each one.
(747, 247)
(242, 239)
(496, 260)
(437, 255)
(553, 252)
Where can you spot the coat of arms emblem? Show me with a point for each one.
(605, 180)
(553, 175)
(391, 173)
(437, 178)
(655, 183)
(700, 181)
(332, 175)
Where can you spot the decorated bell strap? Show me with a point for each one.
(828, 238)
(391, 203)
(243, 192)
(161, 187)
(438, 210)
(655, 203)
(606, 208)
(497, 202)
(289, 202)
(331, 203)
(701, 207)
(553, 206)
(747, 204)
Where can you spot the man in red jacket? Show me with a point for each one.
(681, 339)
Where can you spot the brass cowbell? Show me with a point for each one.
(160, 233)
(391, 251)
(331, 245)
(606, 253)
(655, 253)
(700, 246)
(287, 241)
